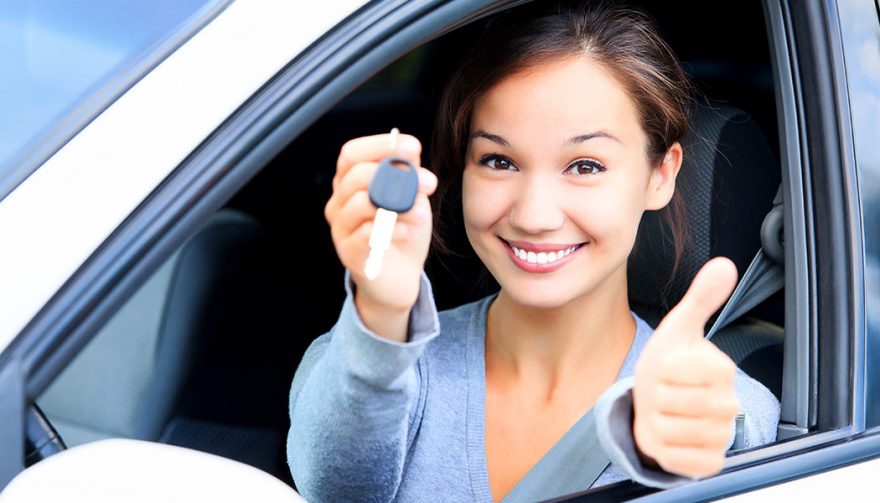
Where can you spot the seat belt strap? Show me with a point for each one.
(764, 276)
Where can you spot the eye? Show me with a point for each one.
(585, 167)
(497, 162)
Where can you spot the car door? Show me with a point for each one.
(826, 413)
(61, 214)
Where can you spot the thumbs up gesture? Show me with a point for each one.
(683, 397)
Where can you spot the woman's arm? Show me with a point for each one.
(351, 404)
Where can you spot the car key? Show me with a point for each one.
(393, 190)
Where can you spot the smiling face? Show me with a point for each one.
(556, 180)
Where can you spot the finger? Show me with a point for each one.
(356, 179)
(700, 365)
(704, 433)
(690, 462)
(359, 207)
(419, 214)
(357, 210)
(694, 401)
(375, 148)
(708, 291)
(359, 177)
(354, 248)
(427, 181)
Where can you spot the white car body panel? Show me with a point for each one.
(135, 471)
(843, 484)
(59, 216)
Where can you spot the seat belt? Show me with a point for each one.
(764, 276)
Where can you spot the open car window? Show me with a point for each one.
(201, 354)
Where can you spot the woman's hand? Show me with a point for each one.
(385, 302)
(684, 400)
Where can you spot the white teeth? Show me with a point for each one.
(542, 257)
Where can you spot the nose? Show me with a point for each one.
(537, 207)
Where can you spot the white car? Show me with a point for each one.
(165, 261)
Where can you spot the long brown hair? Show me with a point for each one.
(624, 40)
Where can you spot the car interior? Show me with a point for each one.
(203, 354)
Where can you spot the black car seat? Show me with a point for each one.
(728, 181)
(183, 361)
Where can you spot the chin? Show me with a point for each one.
(541, 294)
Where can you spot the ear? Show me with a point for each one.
(661, 185)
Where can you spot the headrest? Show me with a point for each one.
(728, 179)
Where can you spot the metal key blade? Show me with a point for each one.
(380, 241)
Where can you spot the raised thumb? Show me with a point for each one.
(710, 288)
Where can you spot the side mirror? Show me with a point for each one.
(136, 471)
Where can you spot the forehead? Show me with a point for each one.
(572, 96)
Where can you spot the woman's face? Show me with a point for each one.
(556, 180)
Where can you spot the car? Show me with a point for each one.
(166, 261)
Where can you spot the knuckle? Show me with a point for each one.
(670, 399)
(361, 199)
(729, 408)
(726, 364)
(345, 151)
(669, 365)
(664, 430)
(663, 397)
(719, 440)
(646, 435)
(713, 464)
(673, 464)
(328, 211)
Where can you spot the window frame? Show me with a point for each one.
(379, 33)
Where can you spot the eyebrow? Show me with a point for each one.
(574, 140)
(491, 137)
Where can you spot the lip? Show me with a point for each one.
(540, 247)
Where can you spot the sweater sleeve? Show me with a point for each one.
(614, 419)
(350, 405)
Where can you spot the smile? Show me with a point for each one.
(534, 257)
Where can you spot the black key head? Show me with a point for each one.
(395, 185)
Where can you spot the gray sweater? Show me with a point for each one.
(377, 420)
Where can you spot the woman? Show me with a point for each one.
(557, 131)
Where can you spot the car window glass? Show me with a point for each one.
(56, 55)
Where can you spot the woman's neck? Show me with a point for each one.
(548, 347)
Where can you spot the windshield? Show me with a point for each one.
(62, 62)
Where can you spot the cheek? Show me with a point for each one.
(610, 215)
(484, 202)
